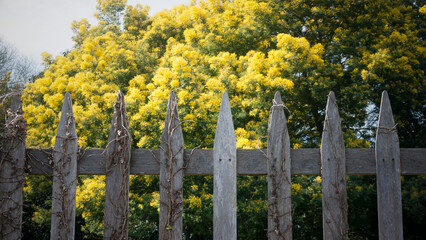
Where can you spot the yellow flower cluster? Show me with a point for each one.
(155, 201)
(91, 74)
(91, 192)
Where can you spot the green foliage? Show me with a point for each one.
(110, 12)
(307, 205)
(37, 207)
(362, 207)
(136, 20)
(413, 205)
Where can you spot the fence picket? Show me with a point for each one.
(279, 174)
(333, 165)
(64, 175)
(12, 167)
(389, 203)
(117, 174)
(225, 175)
(171, 174)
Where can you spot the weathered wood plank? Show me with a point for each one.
(12, 169)
(333, 165)
(171, 174)
(64, 175)
(117, 174)
(305, 161)
(413, 161)
(279, 174)
(389, 203)
(225, 175)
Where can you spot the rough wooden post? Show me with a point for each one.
(12, 177)
(389, 204)
(279, 174)
(117, 174)
(171, 174)
(333, 165)
(225, 175)
(64, 175)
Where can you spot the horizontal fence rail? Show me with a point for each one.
(305, 161)
(333, 162)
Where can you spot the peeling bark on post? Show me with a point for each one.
(12, 168)
(389, 203)
(171, 174)
(64, 175)
(225, 175)
(279, 174)
(333, 165)
(117, 174)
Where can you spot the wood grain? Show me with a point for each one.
(279, 174)
(64, 175)
(171, 174)
(389, 203)
(305, 161)
(225, 175)
(333, 165)
(12, 169)
(116, 212)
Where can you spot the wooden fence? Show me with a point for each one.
(332, 161)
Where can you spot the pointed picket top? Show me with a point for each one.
(119, 123)
(117, 174)
(66, 127)
(225, 124)
(277, 110)
(332, 124)
(279, 174)
(225, 175)
(171, 123)
(332, 113)
(64, 175)
(333, 165)
(171, 174)
(388, 173)
(386, 122)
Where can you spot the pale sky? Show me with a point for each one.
(36, 26)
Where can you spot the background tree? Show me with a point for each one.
(15, 71)
(251, 49)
